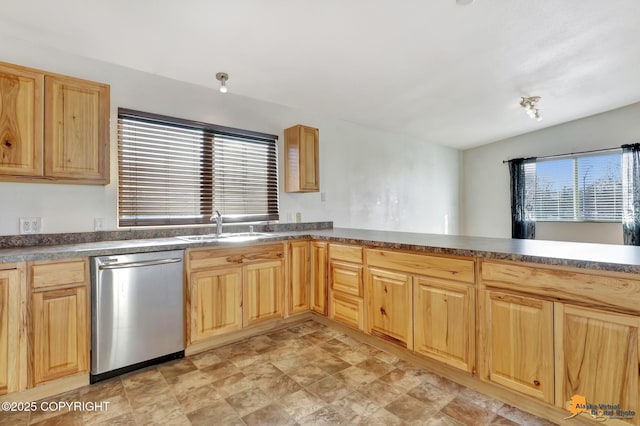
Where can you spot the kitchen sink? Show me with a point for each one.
(229, 237)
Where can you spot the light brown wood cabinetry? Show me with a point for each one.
(319, 265)
(232, 288)
(21, 121)
(53, 128)
(298, 285)
(347, 309)
(597, 357)
(301, 159)
(586, 320)
(346, 287)
(444, 321)
(433, 303)
(518, 343)
(346, 278)
(216, 302)
(76, 130)
(263, 292)
(11, 320)
(60, 333)
(389, 306)
(60, 319)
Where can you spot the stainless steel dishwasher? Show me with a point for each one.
(137, 311)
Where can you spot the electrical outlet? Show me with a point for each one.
(97, 224)
(30, 225)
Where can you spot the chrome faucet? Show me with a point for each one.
(218, 219)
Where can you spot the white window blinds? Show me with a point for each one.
(579, 188)
(176, 172)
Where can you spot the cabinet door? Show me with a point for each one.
(216, 302)
(444, 321)
(301, 159)
(263, 285)
(76, 130)
(298, 285)
(60, 333)
(309, 180)
(319, 277)
(21, 121)
(519, 343)
(10, 321)
(390, 308)
(597, 357)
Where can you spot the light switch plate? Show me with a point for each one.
(30, 225)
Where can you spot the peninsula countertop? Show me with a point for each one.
(583, 255)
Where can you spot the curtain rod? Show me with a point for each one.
(566, 155)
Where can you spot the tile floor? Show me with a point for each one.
(307, 374)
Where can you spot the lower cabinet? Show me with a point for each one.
(346, 287)
(389, 306)
(216, 302)
(232, 288)
(10, 330)
(263, 296)
(347, 309)
(518, 343)
(298, 277)
(319, 277)
(597, 357)
(543, 341)
(444, 321)
(60, 333)
(60, 318)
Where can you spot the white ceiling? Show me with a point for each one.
(447, 74)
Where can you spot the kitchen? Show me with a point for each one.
(373, 191)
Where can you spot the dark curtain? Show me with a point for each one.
(631, 194)
(523, 186)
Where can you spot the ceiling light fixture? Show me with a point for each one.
(222, 77)
(464, 2)
(530, 105)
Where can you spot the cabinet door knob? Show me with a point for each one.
(382, 311)
(536, 382)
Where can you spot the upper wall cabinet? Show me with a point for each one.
(53, 128)
(21, 121)
(76, 129)
(301, 159)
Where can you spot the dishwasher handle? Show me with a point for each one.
(140, 264)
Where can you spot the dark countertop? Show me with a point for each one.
(583, 255)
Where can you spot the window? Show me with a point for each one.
(579, 188)
(177, 172)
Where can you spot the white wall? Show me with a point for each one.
(486, 208)
(372, 179)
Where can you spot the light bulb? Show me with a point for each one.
(222, 77)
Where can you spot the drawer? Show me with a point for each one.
(346, 309)
(565, 284)
(235, 256)
(346, 278)
(51, 274)
(421, 264)
(346, 253)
